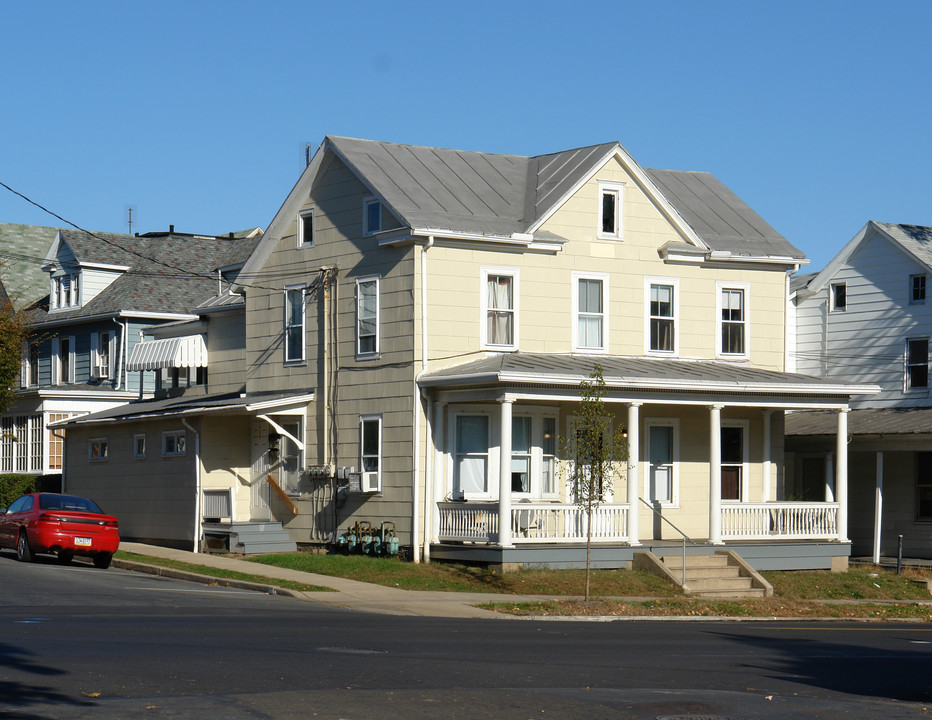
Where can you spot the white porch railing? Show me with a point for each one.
(780, 521)
(536, 522)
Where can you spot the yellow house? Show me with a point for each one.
(444, 307)
(403, 352)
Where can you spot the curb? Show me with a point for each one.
(268, 589)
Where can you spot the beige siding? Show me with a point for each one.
(225, 459)
(226, 350)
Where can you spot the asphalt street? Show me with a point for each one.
(84, 643)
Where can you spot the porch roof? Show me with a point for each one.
(655, 375)
(865, 422)
(230, 403)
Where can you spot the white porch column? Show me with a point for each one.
(767, 451)
(878, 507)
(504, 485)
(634, 452)
(715, 474)
(830, 477)
(438, 476)
(841, 474)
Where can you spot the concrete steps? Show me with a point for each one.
(719, 576)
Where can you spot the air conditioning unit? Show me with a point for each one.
(371, 482)
(101, 371)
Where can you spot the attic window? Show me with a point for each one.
(917, 284)
(839, 297)
(610, 200)
(306, 228)
(372, 216)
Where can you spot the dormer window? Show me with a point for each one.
(372, 216)
(65, 292)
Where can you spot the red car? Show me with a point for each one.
(65, 525)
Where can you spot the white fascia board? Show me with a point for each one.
(120, 314)
(104, 266)
(281, 405)
(285, 215)
(647, 186)
(666, 384)
(58, 393)
(522, 240)
(828, 272)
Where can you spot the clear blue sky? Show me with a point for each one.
(817, 114)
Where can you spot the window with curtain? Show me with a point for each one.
(521, 454)
(367, 316)
(733, 321)
(549, 456)
(501, 310)
(661, 318)
(590, 314)
(732, 462)
(472, 454)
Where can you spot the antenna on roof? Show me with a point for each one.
(307, 153)
(129, 217)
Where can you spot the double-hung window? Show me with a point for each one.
(500, 308)
(917, 364)
(30, 367)
(917, 289)
(63, 360)
(372, 216)
(733, 321)
(662, 304)
(611, 196)
(65, 291)
(370, 452)
(367, 316)
(591, 318)
(471, 455)
(306, 228)
(294, 324)
(100, 354)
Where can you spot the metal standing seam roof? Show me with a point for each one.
(867, 421)
(488, 194)
(633, 371)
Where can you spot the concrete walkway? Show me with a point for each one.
(346, 593)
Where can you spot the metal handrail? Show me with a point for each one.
(685, 536)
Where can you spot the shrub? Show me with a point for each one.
(12, 486)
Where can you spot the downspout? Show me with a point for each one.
(197, 484)
(415, 494)
(121, 354)
(326, 368)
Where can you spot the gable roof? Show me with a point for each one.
(168, 273)
(22, 248)
(913, 240)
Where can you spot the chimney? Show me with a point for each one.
(171, 229)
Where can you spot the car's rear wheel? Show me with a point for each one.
(102, 560)
(23, 551)
(65, 557)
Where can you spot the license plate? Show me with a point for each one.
(85, 542)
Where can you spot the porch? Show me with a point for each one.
(769, 535)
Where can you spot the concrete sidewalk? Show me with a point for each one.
(346, 593)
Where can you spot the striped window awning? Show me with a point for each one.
(189, 351)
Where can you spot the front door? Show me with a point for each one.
(260, 492)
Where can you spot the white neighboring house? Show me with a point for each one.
(867, 317)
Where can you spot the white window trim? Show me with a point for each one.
(304, 242)
(921, 390)
(136, 454)
(95, 355)
(363, 419)
(484, 306)
(604, 279)
(378, 316)
(55, 291)
(674, 501)
(174, 433)
(912, 280)
(366, 203)
(492, 453)
(831, 296)
(745, 458)
(101, 442)
(618, 189)
(675, 284)
(56, 359)
(303, 325)
(746, 288)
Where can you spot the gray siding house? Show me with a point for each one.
(866, 317)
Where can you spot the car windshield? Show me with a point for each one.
(67, 502)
